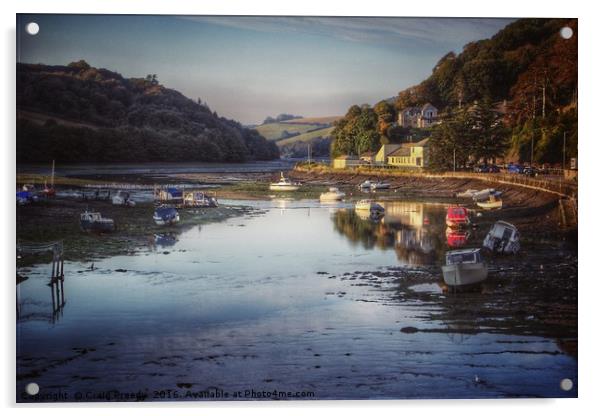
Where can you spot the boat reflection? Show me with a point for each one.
(412, 229)
(457, 238)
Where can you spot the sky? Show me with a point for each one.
(248, 68)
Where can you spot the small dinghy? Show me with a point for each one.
(494, 202)
(365, 185)
(502, 238)
(464, 267)
(485, 194)
(457, 217)
(469, 193)
(94, 222)
(379, 185)
(166, 216)
(284, 184)
(333, 194)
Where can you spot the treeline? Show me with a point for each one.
(97, 115)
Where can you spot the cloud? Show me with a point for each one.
(450, 32)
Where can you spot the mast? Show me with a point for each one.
(52, 177)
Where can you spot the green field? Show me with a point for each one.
(274, 131)
(305, 137)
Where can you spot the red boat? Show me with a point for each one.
(457, 217)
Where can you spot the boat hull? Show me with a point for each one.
(166, 221)
(490, 205)
(284, 188)
(464, 274)
(451, 223)
(97, 227)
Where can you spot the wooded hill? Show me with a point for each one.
(77, 113)
(527, 72)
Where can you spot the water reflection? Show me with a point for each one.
(413, 229)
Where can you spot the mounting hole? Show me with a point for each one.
(566, 32)
(32, 28)
(566, 384)
(32, 389)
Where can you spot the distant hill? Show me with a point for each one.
(292, 136)
(77, 113)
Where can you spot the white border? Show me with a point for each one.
(589, 154)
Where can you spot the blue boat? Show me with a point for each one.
(166, 216)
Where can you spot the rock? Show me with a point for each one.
(121, 270)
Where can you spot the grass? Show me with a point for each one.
(305, 137)
(314, 120)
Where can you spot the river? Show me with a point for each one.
(295, 297)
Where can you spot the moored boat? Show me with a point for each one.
(199, 199)
(494, 202)
(457, 237)
(95, 222)
(365, 185)
(379, 185)
(333, 194)
(469, 193)
(284, 184)
(503, 238)
(457, 217)
(166, 216)
(368, 205)
(464, 267)
(485, 194)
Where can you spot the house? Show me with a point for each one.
(345, 161)
(418, 117)
(410, 155)
(381, 156)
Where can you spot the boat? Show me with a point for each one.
(199, 199)
(168, 195)
(469, 193)
(464, 267)
(484, 194)
(333, 194)
(95, 222)
(123, 198)
(457, 217)
(284, 184)
(456, 237)
(379, 185)
(494, 202)
(365, 185)
(503, 238)
(368, 205)
(166, 216)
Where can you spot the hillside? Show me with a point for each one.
(526, 74)
(78, 113)
(283, 130)
(528, 67)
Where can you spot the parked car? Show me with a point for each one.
(486, 169)
(530, 171)
(514, 168)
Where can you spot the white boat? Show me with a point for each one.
(484, 194)
(284, 184)
(380, 185)
(469, 193)
(333, 194)
(95, 222)
(365, 185)
(494, 202)
(464, 267)
(503, 238)
(123, 198)
(368, 205)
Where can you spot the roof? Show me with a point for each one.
(464, 251)
(402, 151)
(368, 153)
(174, 192)
(343, 157)
(425, 106)
(421, 143)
